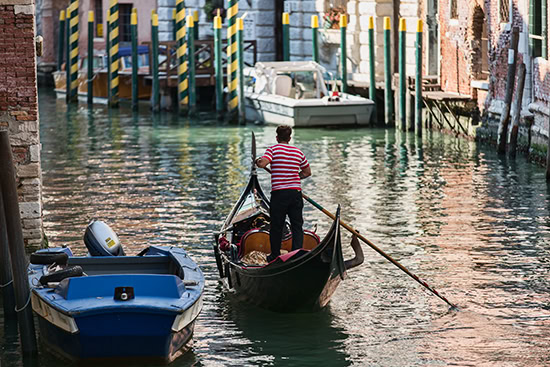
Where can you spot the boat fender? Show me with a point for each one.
(59, 275)
(101, 240)
(46, 258)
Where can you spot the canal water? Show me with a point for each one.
(472, 224)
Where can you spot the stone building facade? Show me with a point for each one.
(19, 110)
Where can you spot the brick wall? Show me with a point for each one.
(19, 109)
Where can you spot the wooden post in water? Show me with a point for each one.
(388, 95)
(191, 61)
(6, 278)
(90, 82)
(68, 57)
(61, 39)
(418, 81)
(343, 52)
(108, 48)
(510, 83)
(402, 76)
(240, 58)
(155, 56)
(517, 111)
(18, 258)
(372, 76)
(286, 37)
(114, 39)
(135, 66)
(315, 37)
(73, 60)
(218, 64)
(174, 26)
(181, 34)
(233, 99)
(196, 24)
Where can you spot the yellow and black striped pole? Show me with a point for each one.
(113, 38)
(73, 37)
(181, 32)
(232, 58)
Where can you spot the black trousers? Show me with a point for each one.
(286, 202)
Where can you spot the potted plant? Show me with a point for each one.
(212, 8)
(331, 18)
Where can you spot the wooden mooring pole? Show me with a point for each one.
(343, 52)
(517, 112)
(286, 37)
(6, 278)
(218, 64)
(240, 58)
(510, 83)
(135, 66)
(90, 81)
(61, 39)
(388, 95)
(372, 76)
(155, 63)
(181, 35)
(191, 61)
(418, 81)
(16, 246)
(402, 76)
(68, 56)
(113, 51)
(315, 37)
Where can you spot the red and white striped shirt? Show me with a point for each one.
(286, 162)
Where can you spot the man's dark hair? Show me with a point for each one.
(284, 132)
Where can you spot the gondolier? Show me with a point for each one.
(288, 165)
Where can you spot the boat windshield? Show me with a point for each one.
(98, 62)
(143, 61)
(306, 84)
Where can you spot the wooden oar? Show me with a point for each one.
(375, 248)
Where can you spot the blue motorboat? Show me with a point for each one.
(115, 307)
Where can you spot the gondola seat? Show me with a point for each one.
(257, 239)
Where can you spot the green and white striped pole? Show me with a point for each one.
(418, 80)
(286, 37)
(240, 57)
(191, 61)
(114, 39)
(61, 39)
(315, 37)
(90, 82)
(155, 56)
(388, 95)
(343, 52)
(372, 86)
(218, 64)
(402, 76)
(232, 58)
(181, 34)
(135, 66)
(73, 96)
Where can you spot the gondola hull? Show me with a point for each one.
(306, 288)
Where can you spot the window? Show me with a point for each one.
(453, 9)
(98, 13)
(537, 28)
(504, 11)
(124, 29)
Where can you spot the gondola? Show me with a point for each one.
(302, 280)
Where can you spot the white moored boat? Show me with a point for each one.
(295, 93)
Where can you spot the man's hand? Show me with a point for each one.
(306, 172)
(262, 162)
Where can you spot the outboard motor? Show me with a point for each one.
(101, 240)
